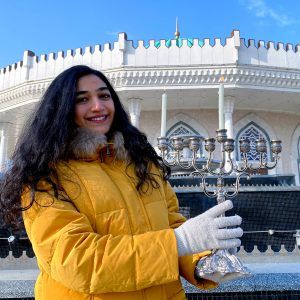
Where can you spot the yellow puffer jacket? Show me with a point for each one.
(110, 242)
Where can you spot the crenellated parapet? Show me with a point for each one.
(269, 54)
(122, 54)
(34, 68)
(167, 62)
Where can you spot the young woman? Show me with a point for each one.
(102, 219)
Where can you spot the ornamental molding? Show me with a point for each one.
(202, 77)
(22, 94)
(256, 77)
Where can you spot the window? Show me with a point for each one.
(182, 128)
(253, 132)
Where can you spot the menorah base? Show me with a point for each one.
(221, 266)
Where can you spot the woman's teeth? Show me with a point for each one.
(98, 118)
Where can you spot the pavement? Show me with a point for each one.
(266, 277)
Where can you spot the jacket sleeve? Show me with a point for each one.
(68, 249)
(187, 264)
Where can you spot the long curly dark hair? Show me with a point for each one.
(46, 137)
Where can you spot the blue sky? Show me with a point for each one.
(51, 26)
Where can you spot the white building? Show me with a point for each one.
(262, 98)
(262, 88)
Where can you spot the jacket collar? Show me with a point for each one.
(89, 145)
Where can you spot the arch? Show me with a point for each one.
(189, 122)
(253, 131)
(251, 117)
(264, 127)
(295, 154)
(181, 128)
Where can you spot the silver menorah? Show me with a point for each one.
(222, 264)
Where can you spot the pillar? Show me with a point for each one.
(134, 111)
(228, 111)
(3, 147)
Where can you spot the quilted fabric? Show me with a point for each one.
(109, 241)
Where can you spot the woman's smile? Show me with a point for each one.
(98, 119)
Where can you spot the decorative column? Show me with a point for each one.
(3, 147)
(164, 104)
(228, 110)
(134, 111)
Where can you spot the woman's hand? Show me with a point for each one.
(208, 231)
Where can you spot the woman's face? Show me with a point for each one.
(94, 108)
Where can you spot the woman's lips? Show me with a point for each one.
(98, 119)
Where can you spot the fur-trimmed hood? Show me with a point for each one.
(90, 145)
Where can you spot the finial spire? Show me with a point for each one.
(177, 33)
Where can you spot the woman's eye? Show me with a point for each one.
(105, 96)
(81, 100)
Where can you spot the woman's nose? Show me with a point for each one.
(97, 105)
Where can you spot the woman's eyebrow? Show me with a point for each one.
(104, 88)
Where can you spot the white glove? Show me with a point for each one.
(208, 231)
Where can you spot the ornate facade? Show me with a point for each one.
(262, 88)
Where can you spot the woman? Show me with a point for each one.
(102, 219)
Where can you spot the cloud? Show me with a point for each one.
(262, 10)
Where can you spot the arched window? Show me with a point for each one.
(252, 132)
(181, 128)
